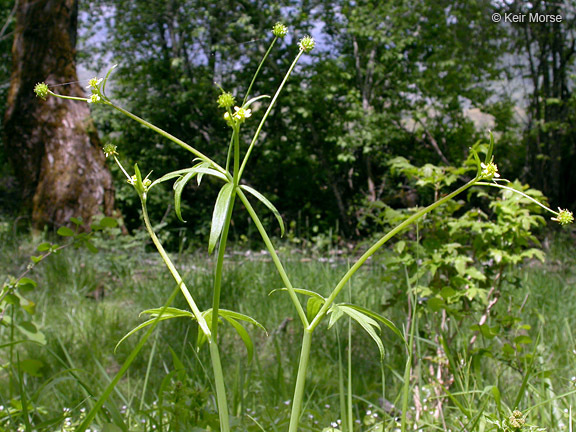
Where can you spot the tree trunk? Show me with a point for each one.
(53, 145)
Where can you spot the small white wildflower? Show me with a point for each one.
(94, 83)
(489, 171)
(241, 114)
(94, 99)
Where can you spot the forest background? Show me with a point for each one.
(418, 79)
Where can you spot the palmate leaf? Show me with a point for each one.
(268, 204)
(219, 214)
(233, 319)
(367, 319)
(169, 313)
(378, 317)
(184, 176)
(368, 324)
(301, 291)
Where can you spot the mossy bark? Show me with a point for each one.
(53, 144)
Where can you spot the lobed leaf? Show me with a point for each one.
(301, 291)
(169, 313)
(378, 317)
(368, 324)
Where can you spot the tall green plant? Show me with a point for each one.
(316, 308)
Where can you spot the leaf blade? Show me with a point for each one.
(268, 204)
(219, 214)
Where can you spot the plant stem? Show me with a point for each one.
(221, 400)
(275, 258)
(197, 314)
(267, 113)
(219, 267)
(535, 201)
(214, 354)
(224, 237)
(258, 70)
(300, 381)
(378, 245)
(169, 136)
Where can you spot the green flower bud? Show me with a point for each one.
(226, 100)
(279, 30)
(41, 90)
(306, 44)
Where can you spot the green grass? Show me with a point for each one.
(79, 360)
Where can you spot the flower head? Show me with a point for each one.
(516, 420)
(241, 114)
(489, 171)
(226, 100)
(41, 90)
(145, 182)
(94, 83)
(279, 30)
(94, 98)
(109, 150)
(564, 217)
(306, 44)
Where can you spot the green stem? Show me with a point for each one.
(275, 258)
(300, 381)
(219, 268)
(378, 245)
(224, 238)
(68, 97)
(258, 70)
(267, 113)
(221, 400)
(535, 201)
(197, 314)
(170, 137)
(214, 354)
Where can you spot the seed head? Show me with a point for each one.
(226, 100)
(306, 44)
(109, 150)
(564, 217)
(279, 30)
(516, 420)
(41, 90)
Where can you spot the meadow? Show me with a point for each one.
(86, 302)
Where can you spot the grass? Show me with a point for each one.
(455, 390)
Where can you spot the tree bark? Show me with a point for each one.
(53, 144)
